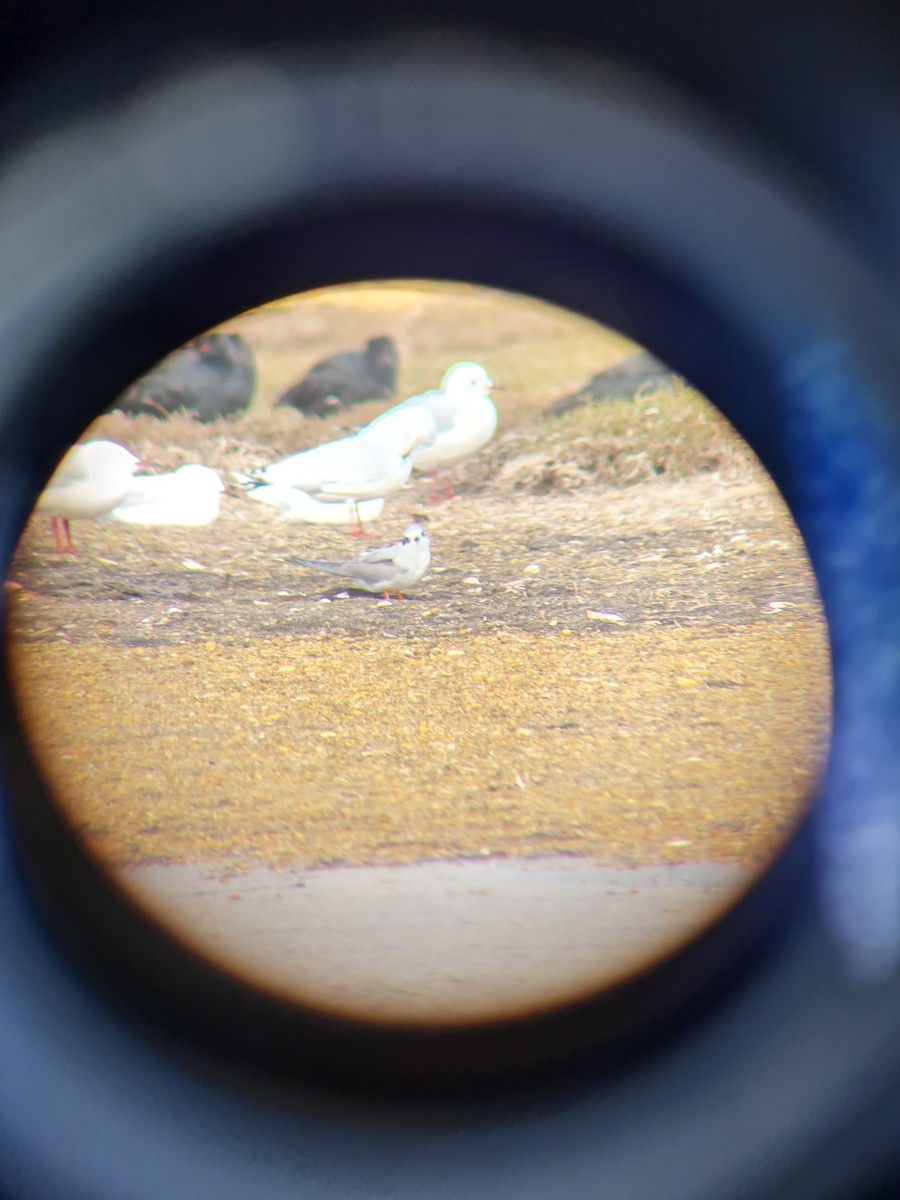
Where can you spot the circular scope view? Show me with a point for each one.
(421, 653)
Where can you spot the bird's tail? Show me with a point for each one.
(252, 480)
(318, 565)
(255, 487)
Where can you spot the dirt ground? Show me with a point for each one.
(633, 678)
(637, 673)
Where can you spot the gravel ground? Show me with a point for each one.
(638, 676)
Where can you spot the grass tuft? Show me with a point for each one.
(535, 352)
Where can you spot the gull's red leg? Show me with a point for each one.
(54, 527)
(69, 546)
(356, 529)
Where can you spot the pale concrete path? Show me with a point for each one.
(437, 941)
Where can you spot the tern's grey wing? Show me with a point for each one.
(379, 554)
(374, 573)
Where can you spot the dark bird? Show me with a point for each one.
(621, 381)
(344, 379)
(211, 376)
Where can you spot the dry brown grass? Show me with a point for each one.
(672, 434)
(537, 353)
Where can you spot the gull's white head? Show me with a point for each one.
(103, 457)
(466, 379)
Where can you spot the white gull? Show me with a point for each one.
(89, 482)
(188, 496)
(465, 419)
(352, 469)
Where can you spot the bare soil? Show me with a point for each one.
(635, 677)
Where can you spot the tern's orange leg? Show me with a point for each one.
(69, 545)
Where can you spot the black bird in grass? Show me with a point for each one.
(344, 379)
(211, 376)
(621, 381)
